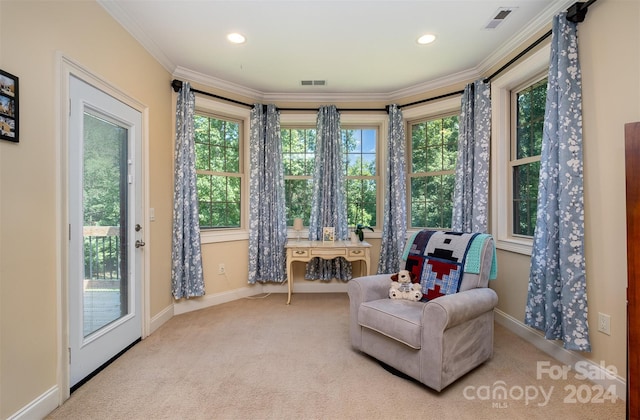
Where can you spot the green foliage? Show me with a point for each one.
(434, 147)
(530, 119)
(530, 124)
(105, 170)
(104, 186)
(359, 230)
(359, 149)
(218, 171)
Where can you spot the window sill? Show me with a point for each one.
(214, 236)
(518, 246)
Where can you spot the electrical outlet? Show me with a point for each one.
(604, 323)
(221, 269)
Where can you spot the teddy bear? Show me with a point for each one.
(402, 286)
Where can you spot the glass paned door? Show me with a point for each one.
(105, 222)
(105, 229)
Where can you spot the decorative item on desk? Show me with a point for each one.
(359, 231)
(297, 226)
(328, 234)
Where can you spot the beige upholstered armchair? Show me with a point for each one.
(437, 341)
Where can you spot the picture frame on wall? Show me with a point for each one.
(9, 108)
(328, 234)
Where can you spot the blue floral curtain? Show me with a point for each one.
(394, 226)
(329, 207)
(267, 213)
(186, 256)
(557, 298)
(471, 193)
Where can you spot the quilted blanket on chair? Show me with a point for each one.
(437, 259)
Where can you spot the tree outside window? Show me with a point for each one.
(298, 149)
(529, 104)
(360, 163)
(218, 171)
(433, 151)
(360, 170)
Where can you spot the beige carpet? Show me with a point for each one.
(262, 359)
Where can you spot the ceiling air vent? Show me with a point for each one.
(313, 82)
(499, 16)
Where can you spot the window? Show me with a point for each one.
(218, 171)
(360, 169)
(517, 113)
(298, 149)
(433, 150)
(526, 145)
(359, 146)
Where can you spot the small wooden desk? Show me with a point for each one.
(306, 250)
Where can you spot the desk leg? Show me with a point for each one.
(289, 281)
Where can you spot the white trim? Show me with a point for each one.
(540, 22)
(40, 407)
(500, 147)
(215, 83)
(188, 305)
(433, 108)
(307, 286)
(120, 16)
(65, 67)
(162, 317)
(569, 358)
(243, 114)
(211, 236)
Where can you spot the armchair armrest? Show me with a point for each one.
(448, 311)
(368, 288)
(364, 289)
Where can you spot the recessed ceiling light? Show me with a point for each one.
(426, 39)
(236, 38)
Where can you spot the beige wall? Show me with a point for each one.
(30, 34)
(609, 42)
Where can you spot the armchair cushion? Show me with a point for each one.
(397, 319)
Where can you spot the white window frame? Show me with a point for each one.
(243, 116)
(501, 203)
(350, 120)
(380, 166)
(427, 111)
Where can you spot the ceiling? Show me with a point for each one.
(359, 47)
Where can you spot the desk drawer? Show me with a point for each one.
(356, 252)
(332, 252)
(298, 253)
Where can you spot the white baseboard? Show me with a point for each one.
(316, 286)
(40, 407)
(597, 372)
(188, 305)
(162, 317)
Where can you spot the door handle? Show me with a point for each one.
(140, 243)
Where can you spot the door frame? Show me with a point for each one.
(66, 68)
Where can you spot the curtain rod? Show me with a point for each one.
(177, 85)
(576, 13)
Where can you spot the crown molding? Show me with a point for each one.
(325, 97)
(132, 27)
(214, 82)
(302, 97)
(453, 79)
(540, 22)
